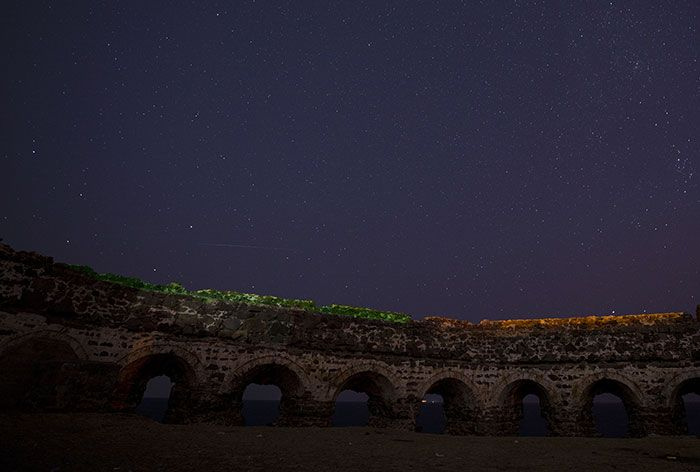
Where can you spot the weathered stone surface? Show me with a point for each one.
(70, 342)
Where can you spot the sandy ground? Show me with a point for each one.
(92, 442)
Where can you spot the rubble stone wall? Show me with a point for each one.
(71, 342)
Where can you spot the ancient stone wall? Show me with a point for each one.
(92, 345)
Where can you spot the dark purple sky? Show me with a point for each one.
(486, 160)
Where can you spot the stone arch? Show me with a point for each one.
(16, 340)
(238, 372)
(617, 384)
(31, 370)
(283, 372)
(378, 383)
(582, 386)
(512, 396)
(187, 356)
(277, 369)
(500, 389)
(142, 364)
(459, 400)
(422, 388)
(681, 384)
(675, 385)
(504, 406)
(385, 378)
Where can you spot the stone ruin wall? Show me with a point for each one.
(92, 345)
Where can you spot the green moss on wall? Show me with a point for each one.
(133, 282)
(253, 299)
(368, 313)
(249, 298)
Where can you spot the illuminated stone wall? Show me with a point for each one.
(92, 345)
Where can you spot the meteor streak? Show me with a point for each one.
(247, 246)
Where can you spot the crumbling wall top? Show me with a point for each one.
(31, 283)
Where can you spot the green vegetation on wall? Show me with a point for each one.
(249, 298)
(253, 299)
(132, 282)
(368, 313)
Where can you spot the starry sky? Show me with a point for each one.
(472, 160)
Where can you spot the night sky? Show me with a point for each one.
(476, 160)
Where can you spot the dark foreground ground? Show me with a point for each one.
(91, 442)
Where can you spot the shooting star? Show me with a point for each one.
(247, 246)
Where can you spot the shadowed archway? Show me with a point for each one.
(135, 376)
(527, 409)
(30, 372)
(685, 409)
(291, 390)
(457, 406)
(379, 391)
(611, 400)
(156, 398)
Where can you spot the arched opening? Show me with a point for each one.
(368, 388)
(155, 399)
(266, 394)
(612, 410)
(431, 416)
(610, 415)
(157, 386)
(686, 407)
(261, 404)
(532, 422)
(528, 409)
(351, 409)
(30, 372)
(447, 407)
(691, 404)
